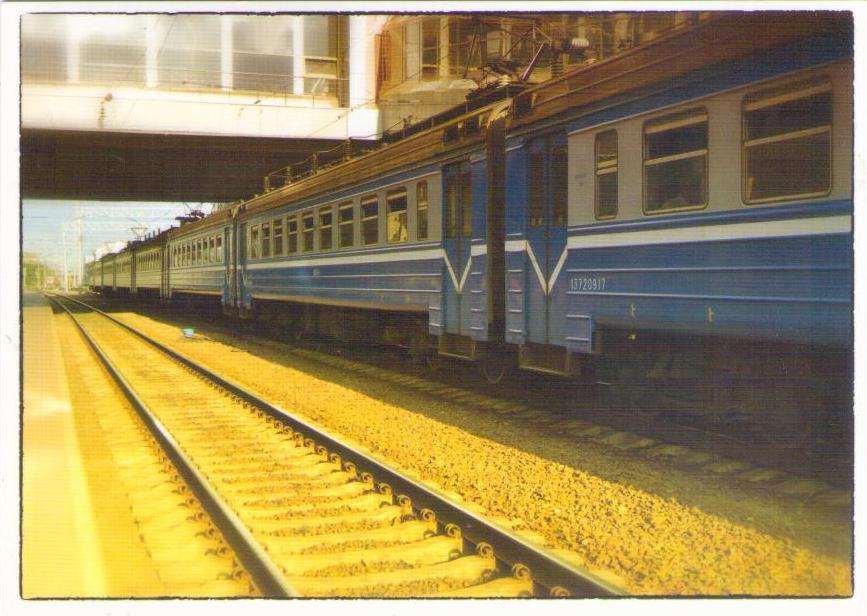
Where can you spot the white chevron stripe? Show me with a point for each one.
(465, 274)
(557, 269)
(536, 267)
(451, 271)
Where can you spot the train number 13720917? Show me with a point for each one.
(587, 284)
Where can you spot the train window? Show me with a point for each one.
(212, 250)
(536, 188)
(421, 210)
(346, 224)
(198, 252)
(675, 162)
(307, 231)
(606, 174)
(326, 225)
(458, 189)
(292, 235)
(452, 204)
(787, 142)
(219, 249)
(370, 220)
(278, 236)
(266, 239)
(467, 200)
(395, 217)
(254, 242)
(559, 183)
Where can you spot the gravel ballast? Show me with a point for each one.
(643, 525)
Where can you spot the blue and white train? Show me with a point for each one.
(685, 202)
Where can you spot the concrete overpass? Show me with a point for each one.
(187, 107)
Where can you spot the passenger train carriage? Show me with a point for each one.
(693, 192)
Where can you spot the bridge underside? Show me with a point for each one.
(85, 165)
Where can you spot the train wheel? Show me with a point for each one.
(434, 362)
(495, 365)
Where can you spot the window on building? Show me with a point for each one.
(292, 235)
(323, 37)
(262, 53)
(606, 174)
(346, 224)
(395, 218)
(43, 48)
(326, 225)
(464, 50)
(278, 236)
(254, 242)
(430, 48)
(112, 48)
(307, 231)
(189, 52)
(675, 162)
(421, 210)
(787, 142)
(266, 239)
(370, 220)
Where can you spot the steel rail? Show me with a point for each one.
(266, 575)
(546, 570)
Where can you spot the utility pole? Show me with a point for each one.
(79, 270)
(65, 271)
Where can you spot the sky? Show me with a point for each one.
(45, 222)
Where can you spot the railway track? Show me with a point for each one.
(305, 514)
(691, 440)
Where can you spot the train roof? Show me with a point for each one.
(203, 223)
(718, 38)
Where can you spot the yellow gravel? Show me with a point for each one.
(646, 527)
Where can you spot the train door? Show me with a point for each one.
(243, 300)
(166, 251)
(229, 284)
(457, 234)
(547, 181)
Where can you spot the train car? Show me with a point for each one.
(709, 195)
(377, 247)
(123, 272)
(150, 274)
(690, 231)
(638, 194)
(93, 275)
(107, 283)
(196, 256)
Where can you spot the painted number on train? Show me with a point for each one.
(587, 284)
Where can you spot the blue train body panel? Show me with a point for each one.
(778, 273)
(199, 279)
(403, 280)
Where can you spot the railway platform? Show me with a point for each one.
(60, 549)
(73, 521)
